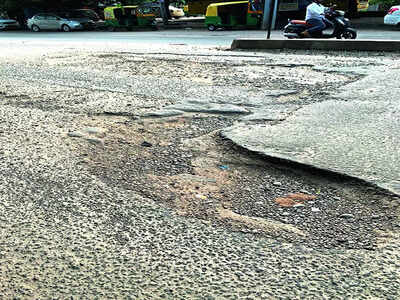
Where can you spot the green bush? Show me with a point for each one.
(385, 3)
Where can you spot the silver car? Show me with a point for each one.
(52, 22)
(8, 24)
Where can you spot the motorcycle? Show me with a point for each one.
(333, 18)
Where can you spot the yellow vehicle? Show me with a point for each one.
(362, 5)
(233, 15)
(129, 17)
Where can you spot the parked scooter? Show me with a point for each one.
(334, 18)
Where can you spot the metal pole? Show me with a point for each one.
(163, 11)
(271, 11)
(264, 24)
(276, 5)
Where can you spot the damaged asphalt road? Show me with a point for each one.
(354, 133)
(117, 182)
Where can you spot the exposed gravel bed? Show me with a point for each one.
(107, 195)
(344, 213)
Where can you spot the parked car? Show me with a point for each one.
(393, 16)
(52, 22)
(175, 12)
(6, 24)
(87, 17)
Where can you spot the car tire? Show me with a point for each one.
(35, 28)
(211, 27)
(65, 28)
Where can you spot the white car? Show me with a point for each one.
(8, 24)
(52, 22)
(393, 16)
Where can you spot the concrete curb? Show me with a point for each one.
(317, 44)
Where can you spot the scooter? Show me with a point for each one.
(333, 18)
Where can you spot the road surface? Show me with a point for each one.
(186, 36)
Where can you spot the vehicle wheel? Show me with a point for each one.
(35, 28)
(65, 28)
(211, 27)
(347, 34)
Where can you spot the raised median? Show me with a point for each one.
(317, 44)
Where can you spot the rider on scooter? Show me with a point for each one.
(315, 17)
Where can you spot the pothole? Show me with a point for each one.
(184, 164)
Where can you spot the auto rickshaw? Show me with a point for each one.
(129, 17)
(240, 14)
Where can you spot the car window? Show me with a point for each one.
(51, 17)
(39, 17)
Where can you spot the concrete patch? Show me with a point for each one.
(358, 139)
(357, 135)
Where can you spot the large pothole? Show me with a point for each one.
(183, 163)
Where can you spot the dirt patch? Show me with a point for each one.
(294, 199)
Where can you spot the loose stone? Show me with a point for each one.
(346, 216)
(75, 134)
(146, 144)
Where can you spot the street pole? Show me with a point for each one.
(264, 23)
(276, 8)
(163, 11)
(271, 4)
(269, 15)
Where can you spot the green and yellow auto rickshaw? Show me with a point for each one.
(228, 15)
(129, 17)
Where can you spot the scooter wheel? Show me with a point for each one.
(347, 35)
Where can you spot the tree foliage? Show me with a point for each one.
(20, 4)
(385, 3)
